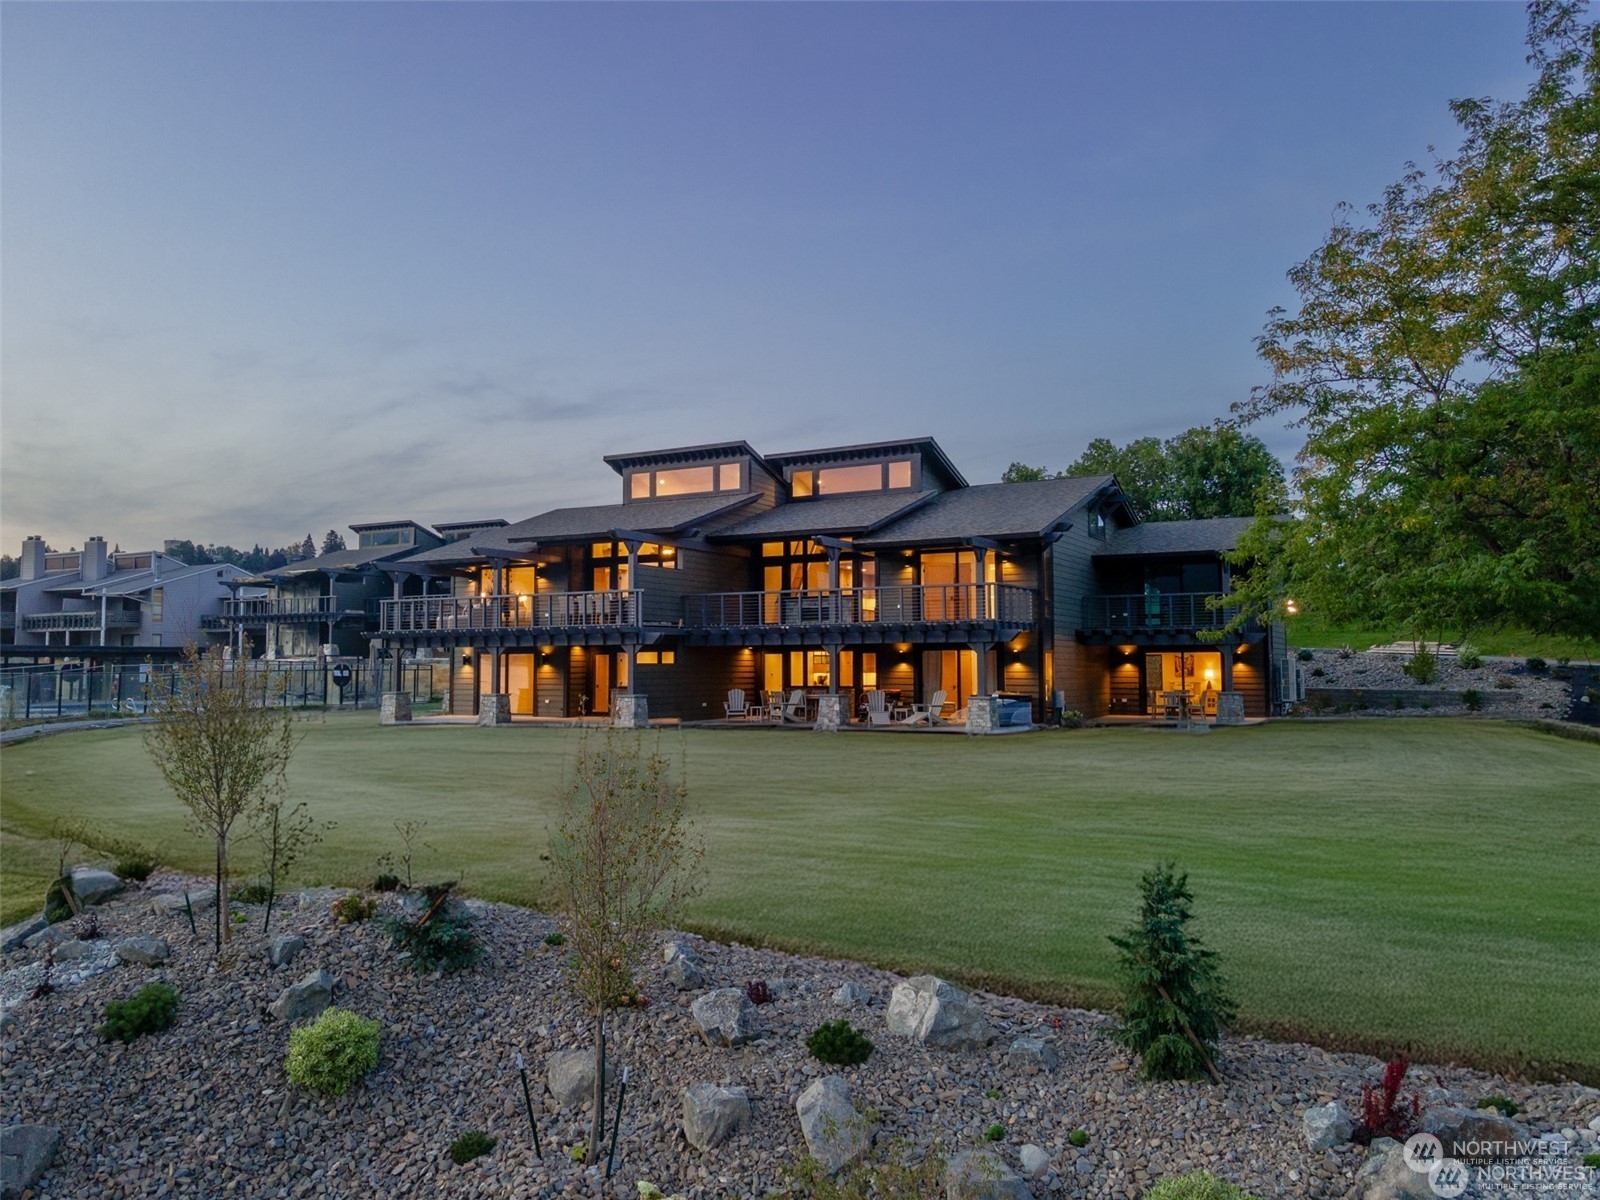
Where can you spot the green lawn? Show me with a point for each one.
(1421, 883)
(1311, 630)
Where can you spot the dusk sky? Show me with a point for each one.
(270, 269)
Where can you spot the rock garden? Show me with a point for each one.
(314, 1061)
(1378, 684)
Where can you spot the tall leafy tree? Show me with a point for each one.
(331, 541)
(1445, 365)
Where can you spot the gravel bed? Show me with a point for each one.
(204, 1109)
(1518, 693)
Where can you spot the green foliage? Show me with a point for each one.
(137, 869)
(1023, 473)
(1444, 361)
(151, 1009)
(578, 1152)
(1537, 665)
(1196, 1185)
(1473, 699)
(1078, 1137)
(839, 1043)
(440, 937)
(995, 1133)
(1305, 655)
(1506, 1107)
(251, 893)
(1468, 658)
(891, 1171)
(1173, 998)
(1071, 718)
(470, 1145)
(333, 1052)
(353, 908)
(386, 882)
(283, 836)
(555, 939)
(1206, 471)
(1592, 1161)
(1423, 666)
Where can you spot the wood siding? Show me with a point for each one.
(1076, 672)
(698, 571)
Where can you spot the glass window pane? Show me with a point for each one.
(900, 474)
(685, 481)
(728, 477)
(833, 480)
(771, 549)
(800, 483)
(601, 550)
(639, 485)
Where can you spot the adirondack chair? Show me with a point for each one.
(737, 708)
(793, 710)
(877, 707)
(929, 713)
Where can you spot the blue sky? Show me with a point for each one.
(274, 268)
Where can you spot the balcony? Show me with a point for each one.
(868, 614)
(75, 622)
(490, 614)
(286, 610)
(1158, 612)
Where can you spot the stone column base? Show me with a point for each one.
(395, 708)
(830, 714)
(1230, 708)
(631, 712)
(983, 715)
(494, 709)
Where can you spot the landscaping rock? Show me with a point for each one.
(684, 969)
(145, 951)
(51, 935)
(1035, 1161)
(94, 886)
(937, 1014)
(300, 1001)
(983, 1175)
(1327, 1126)
(8, 1020)
(76, 948)
(26, 1152)
(281, 950)
(1386, 1176)
(13, 936)
(712, 1114)
(1475, 1134)
(835, 1132)
(725, 1017)
(852, 995)
(1031, 1053)
(570, 1076)
(170, 903)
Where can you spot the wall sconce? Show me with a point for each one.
(466, 657)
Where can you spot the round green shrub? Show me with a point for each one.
(152, 1008)
(836, 1042)
(995, 1132)
(1079, 1138)
(470, 1145)
(333, 1052)
(1196, 1185)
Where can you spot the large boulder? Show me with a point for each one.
(26, 1152)
(306, 999)
(1385, 1175)
(282, 949)
(1327, 1126)
(983, 1175)
(684, 969)
(144, 951)
(835, 1132)
(937, 1014)
(570, 1076)
(712, 1114)
(1476, 1134)
(94, 886)
(1033, 1054)
(13, 936)
(725, 1017)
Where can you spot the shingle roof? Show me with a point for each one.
(16, 581)
(1213, 535)
(580, 524)
(127, 583)
(857, 513)
(339, 560)
(994, 510)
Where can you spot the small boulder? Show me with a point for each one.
(8, 1020)
(1033, 1054)
(170, 903)
(937, 1014)
(1327, 1126)
(712, 1114)
(282, 949)
(94, 886)
(570, 1076)
(1035, 1161)
(983, 1175)
(51, 935)
(684, 969)
(13, 936)
(1385, 1175)
(26, 1152)
(835, 1132)
(851, 995)
(306, 999)
(75, 949)
(145, 951)
(725, 1017)
(1475, 1134)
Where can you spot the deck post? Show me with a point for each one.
(830, 713)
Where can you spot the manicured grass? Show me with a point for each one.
(1420, 883)
(1311, 630)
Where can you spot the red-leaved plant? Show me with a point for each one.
(1383, 1112)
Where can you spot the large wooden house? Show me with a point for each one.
(833, 571)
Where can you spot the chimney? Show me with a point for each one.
(92, 566)
(32, 557)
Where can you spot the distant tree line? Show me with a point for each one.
(256, 559)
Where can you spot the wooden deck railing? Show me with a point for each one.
(76, 621)
(548, 610)
(285, 608)
(931, 603)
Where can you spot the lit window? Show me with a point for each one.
(833, 480)
(157, 599)
(728, 477)
(771, 549)
(900, 474)
(686, 481)
(802, 483)
(639, 485)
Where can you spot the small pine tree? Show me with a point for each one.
(308, 548)
(1174, 1001)
(332, 541)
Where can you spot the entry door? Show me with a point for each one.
(600, 699)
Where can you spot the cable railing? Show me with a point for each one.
(929, 603)
(547, 610)
(1155, 610)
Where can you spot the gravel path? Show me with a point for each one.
(204, 1109)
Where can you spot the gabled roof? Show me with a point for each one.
(671, 516)
(675, 456)
(128, 583)
(16, 582)
(859, 512)
(1006, 511)
(932, 453)
(1213, 535)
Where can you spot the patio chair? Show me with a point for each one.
(737, 708)
(877, 707)
(931, 713)
(793, 710)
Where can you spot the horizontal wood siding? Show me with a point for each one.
(576, 677)
(698, 571)
(550, 687)
(695, 688)
(1075, 671)
(463, 687)
(1125, 682)
(1250, 678)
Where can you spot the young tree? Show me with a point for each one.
(623, 858)
(221, 746)
(284, 835)
(1444, 362)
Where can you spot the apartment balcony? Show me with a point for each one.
(77, 622)
(1171, 616)
(557, 618)
(289, 610)
(955, 612)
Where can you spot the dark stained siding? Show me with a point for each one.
(578, 700)
(463, 687)
(550, 687)
(695, 688)
(1076, 671)
(1250, 678)
(898, 675)
(1125, 681)
(698, 571)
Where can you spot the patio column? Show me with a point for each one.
(981, 606)
(833, 667)
(981, 649)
